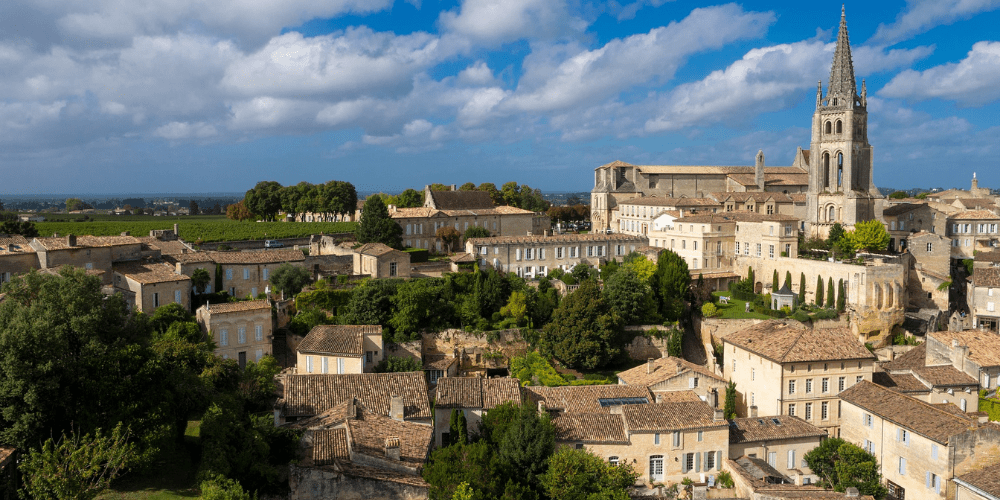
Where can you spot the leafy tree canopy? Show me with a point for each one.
(290, 279)
(580, 475)
(672, 280)
(868, 235)
(75, 466)
(376, 226)
(584, 331)
(264, 199)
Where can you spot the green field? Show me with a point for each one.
(207, 228)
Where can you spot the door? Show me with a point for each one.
(243, 359)
(656, 468)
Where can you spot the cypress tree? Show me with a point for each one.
(750, 277)
(788, 279)
(730, 406)
(830, 297)
(802, 289)
(819, 291)
(774, 282)
(841, 300)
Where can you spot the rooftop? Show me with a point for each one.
(590, 427)
(475, 392)
(149, 272)
(914, 358)
(14, 243)
(983, 346)
(782, 343)
(986, 479)
(375, 249)
(901, 382)
(986, 276)
(906, 411)
(559, 238)
(309, 395)
(754, 429)
(586, 398)
(273, 256)
(84, 241)
(369, 433)
(460, 200)
(661, 369)
(974, 214)
(338, 339)
(241, 306)
(670, 416)
(902, 208)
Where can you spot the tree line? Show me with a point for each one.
(267, 198)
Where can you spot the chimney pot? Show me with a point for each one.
(71, 240)
(392, 448)
(753, 411)
(649, 365)
(396, 408)
(718, 416)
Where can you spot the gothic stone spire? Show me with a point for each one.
(842, 83)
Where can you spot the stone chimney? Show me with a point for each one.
(759, 170)
(649, 365)
(753, 411)
(680, 366)
(454, 187)
(71, 240)
(718, 416)
(958, 355)
(10, 247)
(715, 398)
(392, 448)
(396, 408)
(126, 233)
(175, 230)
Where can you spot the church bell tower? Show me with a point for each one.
(841, 186)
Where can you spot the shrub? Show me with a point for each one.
(708, 310)
(724, 479)
(417, 255)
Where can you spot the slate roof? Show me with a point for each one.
(583, 398)
(983, 346)
(986, 479)
(338, 339)
(330, 446)
(782, 343)
(149, 272)
(369, 433)
(601, 428)
(986, 276)
(670, 416)
(273, 256)
(906, 411)
(241, 306)
(311, 394)
(662, 369)
(914, 358)
(754, 429)
(460, 200)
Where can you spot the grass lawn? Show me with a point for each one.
(172, 478)
(736, 309)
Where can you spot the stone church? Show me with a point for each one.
(834, 174)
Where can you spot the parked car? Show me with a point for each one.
(273, 244)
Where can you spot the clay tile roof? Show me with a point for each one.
(662, 369)
(993, 256)
(670, 416)
(590, 427)
(587, 398)
(651, 201)
(459, 392)
(782, 343)
(560, 238)
(462, 257)
(275, 256)
(497, 391)
(85, 241)
(241, 306)
(376, 249)
(900, 382)
(337, 414)
(405, 213)
(20, 244)
(944, 375)
(330, 446)
(338, 339)
(902, 208)
(797, 197)
(749, 430)
(678, 397)
(308, 395)
(920, 417)
(974, 214)
(986, 479)
(461, 200)
(172, 247)
(983, 346)
(438, 362)
(986, 276)
(188, 258)
(370, 432)
(146, 273)
(914, 358)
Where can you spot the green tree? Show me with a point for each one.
(491, 188)
(410, 198)
(394, 364)
(898, 195)
(673, 280)
(167, 315)
(238, 211)
(10, 223)
(527, 445)
(841, 299)
(74, 204)
(609, 269)
(290, 279)
(264, 199)
(729, 408)
(371, 304)
(450, 237)
(675, 343)
(516, 308)
(581, 475)
(841, 465)
(868, 235)
(193, 208)
(75, 466)
(376, 226)
(584, 331)
(476, 465)
(477, 232)
(200, 280)
(774, 281)
(458, 428)
(220, 488)
(643, 267)
(836, 233)
(802, 288)
(709, 310)
(463, 492)
(629, 296)
(582, 272)
(830, 297)
(788, 280)
(819, 291)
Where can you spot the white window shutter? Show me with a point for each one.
(697, 462)
(927, 479)
(517, 254)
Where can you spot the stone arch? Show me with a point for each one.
(840, 169)
(877, 296)
(829, 127)
(889, 296)
(826, 168)
(900, 300)
(840, 127)
(831, 214)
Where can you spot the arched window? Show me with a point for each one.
(831, 217)
(840, 169)
(828, 127)
(840, 127)
(826, 168)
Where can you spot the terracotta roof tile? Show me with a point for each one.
(560, 238)
(736, 216)
(14, 243)
(497, 391)
(902, 382)
(584, 398)
(376, 249)
(241, 306)
(670, 416)
(171, 247)
(782, 343)
(438, 362)
(474, 392)
(677, 397)
(84, 241)
(338, 339)
(188, 258)
(914, 358)
(945, 375)
(337, 414)
(147, 273)
(986, 276)
(983, 346)
(308, 395)
(986, 479)
(330, 446)
(275, 256)
(974, 215)
(590, 427)
(651, 201)
(902, 208)
(920, 417)
(370, 433)
(662, 369)
(992, 256)
(749, 430)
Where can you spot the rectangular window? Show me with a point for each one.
(177, 296)
(324, 364)
(656, 438)
(656, 468)
(791, 387)
(737, 248)
(709, 460)
(859, 379)
(267, 274)
(677, 439)
(241, 333)
(559, 252)
(758, 249)
(340, 366)
(224, 337)
(791, 410)
(825, 411)
(689, 461)
(229, 274)
(809, 411)
(903, 436)
(258, 333)
(258, 354)
(791, 459)
(840, 383)
(809, 385)
(770, 251)
(701, 436)
(772, 459)
(246, 273)
(309, 364)
(934, 452)
(156, 299)
(868, 420)
(826, 385)
(393, 269)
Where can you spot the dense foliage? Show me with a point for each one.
(580, 475)
(10, 223)
(290, 279)
(585, 332)
(868, 235)
(375, 225)
(841, 465)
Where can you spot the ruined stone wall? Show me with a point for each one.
(313, 483)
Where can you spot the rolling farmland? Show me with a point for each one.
(207, 228)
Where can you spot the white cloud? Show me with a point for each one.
(554, 81)
(498, 21)
(270, 112)
(922, 15)
(178, 130)
(480, 105)
(416, 136)
(628, 11)
(971, 81)
(476, 74)
(358, 61)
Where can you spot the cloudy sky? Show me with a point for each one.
(139, 96)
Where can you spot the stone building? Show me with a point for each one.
(636, 215)
(934, 382)
(795, 371)
(340, 349)
(930, 271)
(249, 273)
(905, 220)
(974, 352)
(669, 374)
(381, 261)
(973, 231)
(984, 291)
(473, 396)
(17, 256)
(241, 330)
(536, 256)
(982, 484)
(922, 446)
(95, 253)
(781, 440)
(152, 284)
(398, 394)
(835, 173)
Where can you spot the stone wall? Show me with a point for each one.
(475, 350)
(314, 483)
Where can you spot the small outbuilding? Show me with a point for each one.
(784, 297)
(381, 261)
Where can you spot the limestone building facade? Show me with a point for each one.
(241, 330)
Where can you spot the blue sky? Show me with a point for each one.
(139, 96)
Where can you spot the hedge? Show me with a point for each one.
(326, 299)
(417, 255)
(990, 407)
